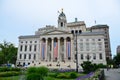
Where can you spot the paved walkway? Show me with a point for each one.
(112, 74)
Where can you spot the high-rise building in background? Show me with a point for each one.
(118, 49)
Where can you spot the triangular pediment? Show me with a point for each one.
(56, 31)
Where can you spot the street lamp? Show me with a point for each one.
(76, 55)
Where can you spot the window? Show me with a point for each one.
(35, 41)
(72, 31)
(26, 42)
(30, 41)
(34, 57)
(100, 55)
(24, 56)
(20, 56)
(21, 48)
(25, 47)
(94, 56)
(21, 41)
(87, 39)
(93, 39)
(100, 46)
(81, 46)
(30, 48)
(99, 39)
(29, 56)
(87, 46)
(82, 56)
(35, 47)
(61, 24)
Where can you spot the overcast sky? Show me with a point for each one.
(24, 17)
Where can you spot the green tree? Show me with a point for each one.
(8, 53)
(116, 60)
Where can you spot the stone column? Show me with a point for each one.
(52, 50)
(72, 55)
(58, 49)
(40, 50)
(46, 49)
(65, 57)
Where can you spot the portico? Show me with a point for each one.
(55, 48)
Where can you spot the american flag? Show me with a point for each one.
(43, 50)
(68, 49)
(55, 49)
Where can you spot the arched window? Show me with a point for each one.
(80, 31)
(76, 31)
(61, 24)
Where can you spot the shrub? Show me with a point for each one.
(73, 75)
(3, 69)
(36, 73)
(31, 70)
(34, 76)
(53, 74)
(15, 69)
(88, 66)
(62, 75)
(43, 71)
(10, 73)
(102, 65)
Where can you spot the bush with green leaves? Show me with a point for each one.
(88, 67)
(62, 76)
(34, 76)
(73, 75)
(37, 73)
(9, 73)
(3, 69)
(101, 65)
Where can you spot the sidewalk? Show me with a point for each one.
(112, 74)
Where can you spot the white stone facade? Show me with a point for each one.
(56, 47)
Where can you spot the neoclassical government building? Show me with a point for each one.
(58, 47)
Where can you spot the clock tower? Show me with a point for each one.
(62, 20)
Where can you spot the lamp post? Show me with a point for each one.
(76, 55)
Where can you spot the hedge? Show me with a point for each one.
(10, 73)
(4, 69)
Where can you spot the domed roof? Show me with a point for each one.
(62, 14)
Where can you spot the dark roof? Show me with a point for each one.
(100, 26)
(29, 36)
